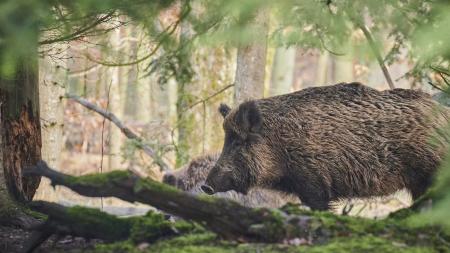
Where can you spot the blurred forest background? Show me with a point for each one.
(165, 73)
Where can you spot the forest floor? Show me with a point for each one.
(12, 240)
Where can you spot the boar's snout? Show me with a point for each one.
(207, 189)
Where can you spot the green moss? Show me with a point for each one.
(34, 214)
(207, 242)
(207, 198)
(7, 206)
(395, 227)
(366, 244)
(150, 227)
(146, 228)
(11, 211)
(88, 218)
(99, 179)
(143, 183)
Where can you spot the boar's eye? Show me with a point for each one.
(231, 137)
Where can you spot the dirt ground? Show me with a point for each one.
(12, 240)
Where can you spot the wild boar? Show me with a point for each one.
(334, 142)
(192, 176)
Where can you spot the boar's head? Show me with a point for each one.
(246, 159)
(175, 180)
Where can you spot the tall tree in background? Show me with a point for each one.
(184, 118)
(53, 78)
(251, 63)
(115, 105)
(133, 97)
(282, 71)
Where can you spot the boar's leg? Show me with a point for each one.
(419, 187)
(311, 190)
(316, 199)
(317, 204)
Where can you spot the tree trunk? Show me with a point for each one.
(322, 69)
(343, 70)
(52, 80)
(132, 99)
(282, 71)
(20, 129)
(251, 62)
(184, 118)
(115, 106)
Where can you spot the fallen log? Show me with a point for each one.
(91, 223)
(226, 218)
(232, 221)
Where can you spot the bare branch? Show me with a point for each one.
(125, 130)
(436, 87)
(79, 32)
(160, 38)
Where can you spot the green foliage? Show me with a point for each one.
(438, 197)
(23, 21)
(416, 25)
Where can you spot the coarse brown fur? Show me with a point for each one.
(191, 177)
(328, 143)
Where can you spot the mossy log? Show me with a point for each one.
(94, 224)
(230, 220)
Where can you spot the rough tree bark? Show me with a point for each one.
(251, 62)
(20, 129)
(20, 142)
(52, 80)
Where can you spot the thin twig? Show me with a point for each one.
(436, 87)
(204, 100)
(209, 97)
(167, 32)
(125, 130)
(377, 54)
(103, 133)
(79, 32)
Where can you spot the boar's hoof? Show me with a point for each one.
(207, 189)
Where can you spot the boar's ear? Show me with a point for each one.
(224, 109)
(249, 117)
(170, 179)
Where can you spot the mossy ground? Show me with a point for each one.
(359, 235)
(208, 243)
(340, 233)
